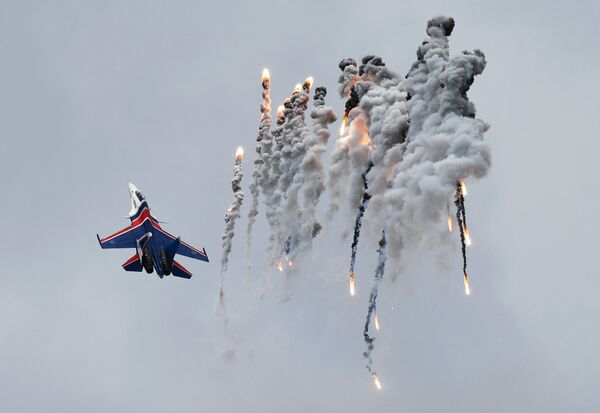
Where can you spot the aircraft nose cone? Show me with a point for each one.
(132, 187)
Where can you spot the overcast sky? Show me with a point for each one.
(97, 94)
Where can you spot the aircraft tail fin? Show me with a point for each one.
(179, 270)
(133, 264)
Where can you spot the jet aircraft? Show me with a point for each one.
(155, 248)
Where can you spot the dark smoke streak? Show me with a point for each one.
(359, 216)
(352, 102)
(459, 201)
(373, 303)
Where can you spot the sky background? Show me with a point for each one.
(97, 94)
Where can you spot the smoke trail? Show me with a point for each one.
(378, 85)
(384, 105)
(369, 340)
(459, 201)
(444, 143)
(397, 113)
(233, 213)
(263, 152)
(339, 169)
(270, 180)
(280, 136)
(445, 140)
(311, 175)
(357, 224)
(349, 160)
(284, 160)
(291, 180)
(301, 142)
(348, 77)
(386, 108)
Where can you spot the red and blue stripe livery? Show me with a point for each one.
(155, 247)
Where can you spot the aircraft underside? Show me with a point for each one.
(155, 248)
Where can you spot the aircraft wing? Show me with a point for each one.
(184, 249)
(189, 251)
(125, 238)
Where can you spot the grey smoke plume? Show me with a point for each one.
(270, 188)
(311, 174)
(232, 214)
(441, 145)
(378, 87)
(339, 169)
(309, 180)
(263, 151)
(408, 141)
(349, 159)
(384, 105)
(295, 133)
(300, 143)
(348, 77)
(445, 141)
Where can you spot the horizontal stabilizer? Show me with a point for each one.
(172, 248)
(187, 250)
(179, 270)
(133, 264)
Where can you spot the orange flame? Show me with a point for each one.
(343, 127)
(266, 75)
(352, 290)
(309, 81)
(467, 284)
(297, 88)
(376, 381)
(359, 128)
(463, 187)
(280, 110)
(467, 237)
(239, 154)
(377, 326)
(449, 223)
(279, 266)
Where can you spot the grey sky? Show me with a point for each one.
(97, 94)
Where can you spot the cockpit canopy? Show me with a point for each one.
(139, 195)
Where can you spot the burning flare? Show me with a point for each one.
(377, 382)
(309, 81)
(463, 187)
(343, 127)
(239, 154)
(467, 284)
(279, 266)
(297, 88)
(449, 223)
(280, 111)
(352, 290)
(377, 327)
(266, 75)
(467, 237)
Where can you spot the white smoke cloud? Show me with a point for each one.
(445, 142)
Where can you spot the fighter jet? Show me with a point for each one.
(154, 247)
